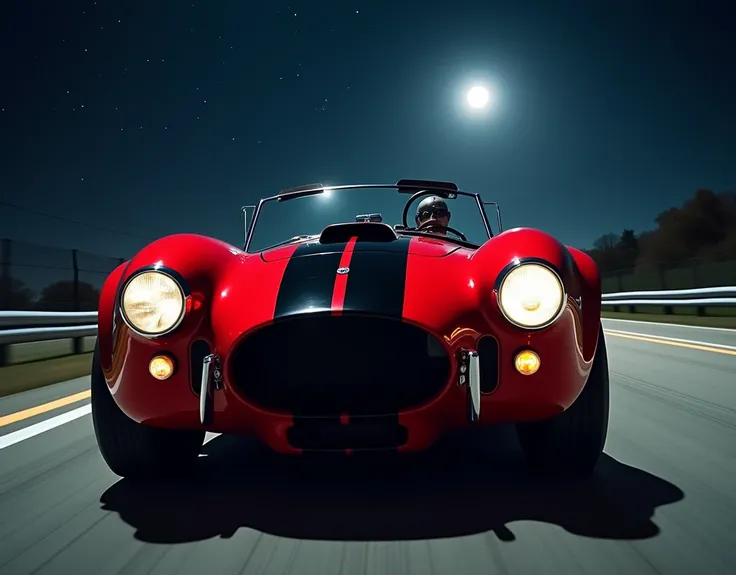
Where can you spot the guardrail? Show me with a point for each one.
(699, 298)
(33, 335)
(76, 331)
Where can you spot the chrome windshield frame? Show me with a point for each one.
(316, 189)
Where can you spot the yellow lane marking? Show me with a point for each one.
(39, 409)
(674, 343)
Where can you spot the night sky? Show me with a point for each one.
(144, 118)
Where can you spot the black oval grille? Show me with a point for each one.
(322, 365)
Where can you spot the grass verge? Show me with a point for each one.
(682, 319)
(25, 376)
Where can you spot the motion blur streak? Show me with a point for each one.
(661, 502)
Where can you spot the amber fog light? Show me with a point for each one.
(161, 367)
(527, 362)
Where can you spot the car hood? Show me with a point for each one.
(415, 246)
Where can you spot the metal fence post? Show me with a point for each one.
(662, 269)
(6, 289)
(620, 284)
(75, 287)
(6, 278)
(75, 297)
(700, 310)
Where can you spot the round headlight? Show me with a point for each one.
(531, 296)
(153, 303)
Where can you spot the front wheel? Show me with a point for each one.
(572, 442)
(134, 450)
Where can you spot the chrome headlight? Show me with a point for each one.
(153, 303)
(531, 296)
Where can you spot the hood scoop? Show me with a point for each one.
(364, 231)
(372, 237)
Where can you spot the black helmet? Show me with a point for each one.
(432, 206)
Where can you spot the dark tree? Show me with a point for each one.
(703, 228)
(15, 295)
(59, 296)
(697, 230)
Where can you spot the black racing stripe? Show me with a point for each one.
(377, 278)
(397, 246)
(308, 281)
(315, 247)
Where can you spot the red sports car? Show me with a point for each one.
(359, 336)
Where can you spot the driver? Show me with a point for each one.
(433, 209)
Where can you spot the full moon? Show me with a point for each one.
(478, 97)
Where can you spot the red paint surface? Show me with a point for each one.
(234, 293)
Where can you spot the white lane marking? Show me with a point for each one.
(677, 325)
(46, 425)
(674, 339)
(210, 436)
(207, 438)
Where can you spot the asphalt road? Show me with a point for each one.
(663, 499)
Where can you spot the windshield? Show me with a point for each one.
(280, 221)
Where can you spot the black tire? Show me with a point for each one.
(572, 442)
(134, 450)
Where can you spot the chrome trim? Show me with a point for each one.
(469, 377)
(245, 220)
(498, 215)
(518, 262)
(474, 385)
(398, 186)
(172, 274)
(305, 188)
(217, 373)
(204, 388)
(256, 214)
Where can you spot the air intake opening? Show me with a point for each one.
(488, 352)
(323, 365)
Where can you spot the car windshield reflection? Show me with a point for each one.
(305, 214)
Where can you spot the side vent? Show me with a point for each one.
(488, 351)
(197, 352)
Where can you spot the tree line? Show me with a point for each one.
(58, 296)
(702, 228)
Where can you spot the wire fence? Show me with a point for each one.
(44, 278)
(689, 274)
(51, 279)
